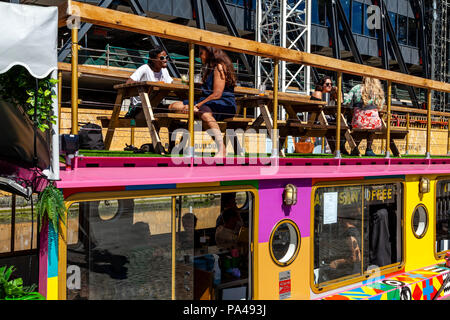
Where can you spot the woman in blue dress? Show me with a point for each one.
(217, 101)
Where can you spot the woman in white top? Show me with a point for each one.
(155, 70)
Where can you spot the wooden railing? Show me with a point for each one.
(148, 26)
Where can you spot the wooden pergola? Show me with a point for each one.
(81, 12)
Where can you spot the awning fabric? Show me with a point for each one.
(28, 37)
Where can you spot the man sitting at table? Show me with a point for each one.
(154, 70)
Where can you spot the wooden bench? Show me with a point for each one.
(395, 134)
(168, 122)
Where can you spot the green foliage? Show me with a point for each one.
(18, 87)
(13, 289)
(51, 206)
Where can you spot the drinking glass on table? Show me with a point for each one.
(262, 89)
(197, 78)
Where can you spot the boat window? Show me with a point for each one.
(443, 216)
(18, 236)
(420, 221)
(285, 242)
(124, 257)
(357, 230)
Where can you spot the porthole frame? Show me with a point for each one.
(427, 222)
(299, 242)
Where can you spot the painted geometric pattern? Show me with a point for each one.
(422, 284)
(447, 287)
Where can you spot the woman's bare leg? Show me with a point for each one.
(177, 107)
(207, 117)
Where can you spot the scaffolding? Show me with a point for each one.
(284, 23)
(439, 27)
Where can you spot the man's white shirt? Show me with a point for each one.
(145, 73)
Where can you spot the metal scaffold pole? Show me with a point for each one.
(286, 24)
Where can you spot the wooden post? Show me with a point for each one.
(323, 144)
(74, 129)
(59, 98)
(338, 116)
(275, 109)
(448, 136)
(428, 153)
(388, 129)
(191, 98)
(174, 239)
(132, 135)
(407, 135)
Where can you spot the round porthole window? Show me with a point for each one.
(284, 242)
(420, 221)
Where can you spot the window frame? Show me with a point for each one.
(32, 250)
(299, 242)
(173, 193)
(399, 16)
(361, 16)
(427, 222)
(438, 255)
(351, 279)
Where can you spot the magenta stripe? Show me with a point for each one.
(43, 258)
(272, 209)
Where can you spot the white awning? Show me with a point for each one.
(28, 37)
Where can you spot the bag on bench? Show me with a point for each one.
(91, 137)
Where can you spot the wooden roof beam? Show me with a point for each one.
(148, 26)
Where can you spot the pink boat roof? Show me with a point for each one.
(104, 172)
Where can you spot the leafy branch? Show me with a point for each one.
(51, 207)
(18, 86)
(13, 289)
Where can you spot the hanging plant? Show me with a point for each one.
(51, 207)
(18, 86)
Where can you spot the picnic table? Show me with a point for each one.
(315, 126)
(160, 123)
(352, 134)
(151, 94)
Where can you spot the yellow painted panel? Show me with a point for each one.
(52, 288)
(419, 252)
(267, 277)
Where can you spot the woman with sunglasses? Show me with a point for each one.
(324, 85)
(154, 70)
(217, 101)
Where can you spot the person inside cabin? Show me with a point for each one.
(226, 234)
(154, 70)
(366, 99)
(228, 200)
(218, 100)
(380, 245)
(186, 237)
(348, 260)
